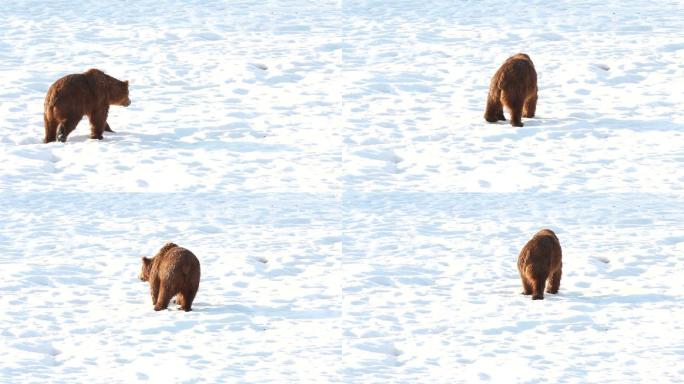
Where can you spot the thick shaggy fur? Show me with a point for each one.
(90, 93)
(514, 86)
(173, 271)
(540, 261)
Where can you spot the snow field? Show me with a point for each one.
(355, 217)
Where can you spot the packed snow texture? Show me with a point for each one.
(356, 218)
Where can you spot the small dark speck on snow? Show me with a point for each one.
(603, 260)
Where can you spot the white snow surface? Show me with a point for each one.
(356, 219)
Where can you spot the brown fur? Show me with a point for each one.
(173, 271)
(514, 86)
(541, 260)
(90, 93)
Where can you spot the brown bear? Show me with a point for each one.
(514, 86)
(541, 260)
(173, 271)
(90, 93)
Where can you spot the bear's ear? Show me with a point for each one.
(126, 82)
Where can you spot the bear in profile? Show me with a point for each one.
(514, 86)
(540, 261)
(173, 271)
(90, 93)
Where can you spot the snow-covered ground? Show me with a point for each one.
(356, 218)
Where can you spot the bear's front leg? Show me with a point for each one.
(98, 122)
(493, 110)
(154, 289)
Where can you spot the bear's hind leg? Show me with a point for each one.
(516, 115)
(164, 297)
(50, 130)
(538, 288)
(65, 128)
(530, 107)
(515, 103)
(554, 282)
(188, 296)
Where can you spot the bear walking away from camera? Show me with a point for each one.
(540, 261)
(514, 86)
(173, 271)
(90, 93)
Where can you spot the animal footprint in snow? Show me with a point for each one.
(260, 66)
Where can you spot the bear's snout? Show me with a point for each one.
(127, 103)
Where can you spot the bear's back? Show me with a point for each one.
(543, 250)
(177, 259)
(70, 88)
(517, 71)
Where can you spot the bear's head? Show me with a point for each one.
(113, 90)
(118, 93)
(145, 271)
(146, 268)
(147, 262)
